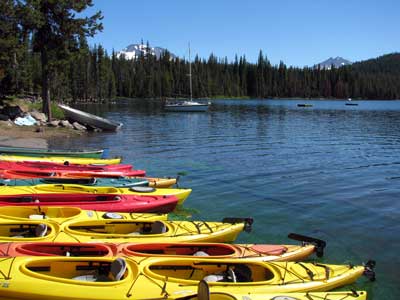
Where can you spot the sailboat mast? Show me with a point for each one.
(190, 76)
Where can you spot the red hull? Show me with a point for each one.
(101, 202)
(57, 249)
(108, 249)
(19, 174)
(51, 167)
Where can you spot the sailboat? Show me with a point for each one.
(187, 105)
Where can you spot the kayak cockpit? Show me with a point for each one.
(74, 188)
(79, 270)
(63, 249)
(25, 230)
(35, 213)
(211, 271)
(118, 227)
(190, 249)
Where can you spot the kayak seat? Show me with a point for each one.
(40, 231)
(201, 253)
(88, 277)
(228, 276)
(243, 273)
(37, 217)
(158, 227)
(214, 278)
(117, 271)
(270, 249)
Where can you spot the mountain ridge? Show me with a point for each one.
(337, 62)
(134, 51)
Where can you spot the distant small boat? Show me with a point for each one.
(90, 119)
(304, 105)
(351, 103)
(187, 105)
(51, 152)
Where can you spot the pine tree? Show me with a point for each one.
(9, 46)
(56, 32)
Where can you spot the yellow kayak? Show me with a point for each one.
(203, 293)
(181, 194)
(345, 295)
(65, 214)
(120, 231)
(122, 278)
(62, 160)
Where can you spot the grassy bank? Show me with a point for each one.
(27, 105)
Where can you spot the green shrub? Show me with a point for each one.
(57, 113)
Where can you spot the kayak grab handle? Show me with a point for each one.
(319, 244)
(369, 270)
(248, 222)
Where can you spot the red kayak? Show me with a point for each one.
(16, 174)
(101, 202)
(257, 252)
(51, 166)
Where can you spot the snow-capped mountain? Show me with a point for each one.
(337, 62)
(133, 51)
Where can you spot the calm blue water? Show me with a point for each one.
(331, 171)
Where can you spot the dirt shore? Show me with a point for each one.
(32, 136)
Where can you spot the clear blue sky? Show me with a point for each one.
(298, 32)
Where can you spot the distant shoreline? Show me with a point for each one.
(248, 98)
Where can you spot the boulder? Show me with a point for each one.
(12, 111)
(78, 126)
(39, 116)
(66, 124)
(54, 123)
(3, 117)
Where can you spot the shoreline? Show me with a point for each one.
(247, 98)
(32, 136)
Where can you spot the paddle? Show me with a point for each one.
(319, 244)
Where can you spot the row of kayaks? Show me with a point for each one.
(138, 277)
(99, 187)
(120, 230)
(74, 225)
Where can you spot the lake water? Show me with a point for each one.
(330, 171)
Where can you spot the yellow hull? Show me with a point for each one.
(62, 215)
(266, 277)
(181, 194)
(57, 278)
(60, 159)
(119, 231)
(346, 295)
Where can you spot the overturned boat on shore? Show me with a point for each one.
(90, 119)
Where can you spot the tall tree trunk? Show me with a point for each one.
(16, 75)
(45, 85)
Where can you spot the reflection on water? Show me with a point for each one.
(330, 171)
